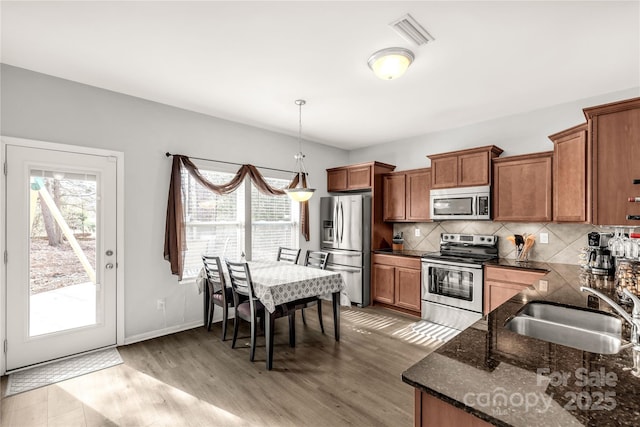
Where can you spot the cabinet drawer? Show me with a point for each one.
(396, 261)
(513, 275)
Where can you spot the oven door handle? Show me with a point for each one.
(463, 267)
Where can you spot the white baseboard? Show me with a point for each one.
(217, 317)
(161, 332)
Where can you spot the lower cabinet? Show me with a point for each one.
(395, 282)
(503, 283)
(433, 412)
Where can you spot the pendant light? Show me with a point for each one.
(300, 194)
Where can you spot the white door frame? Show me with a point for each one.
(4, 140)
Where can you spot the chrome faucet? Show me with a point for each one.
(633, 319)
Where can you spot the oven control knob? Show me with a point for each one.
(482, 239)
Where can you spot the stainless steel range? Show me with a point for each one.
(452, 279)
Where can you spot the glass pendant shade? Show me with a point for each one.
(391, 63)
(300, 193)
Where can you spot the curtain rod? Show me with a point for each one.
(232, 163)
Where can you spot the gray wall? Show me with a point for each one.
(41, 107)
(517, 134)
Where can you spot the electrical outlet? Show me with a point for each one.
(544, 285)
(417, 232)
(160, 303)
(544, 238)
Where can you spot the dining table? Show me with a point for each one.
(282, 284)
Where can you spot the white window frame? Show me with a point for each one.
(244, 221)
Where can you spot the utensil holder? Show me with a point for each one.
(522, 255)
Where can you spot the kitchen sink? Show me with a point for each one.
(593, 331)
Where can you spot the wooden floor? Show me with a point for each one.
(192, 378)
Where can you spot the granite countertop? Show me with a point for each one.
(407, 253)
(512, 380)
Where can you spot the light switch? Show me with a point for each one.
(544, 285)
(417, 232)
(544, 238)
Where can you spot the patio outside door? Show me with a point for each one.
(61, 254)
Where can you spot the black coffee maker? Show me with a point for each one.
(599, 259)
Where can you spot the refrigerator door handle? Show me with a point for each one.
(341, 222)
(335, 224)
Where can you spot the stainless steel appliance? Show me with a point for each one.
(599, 259)
(461, 203)
(346, 234)
(452, 279)
(599, 239)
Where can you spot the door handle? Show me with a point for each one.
(341, 222)
(109, 266)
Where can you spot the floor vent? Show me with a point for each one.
(411, 30)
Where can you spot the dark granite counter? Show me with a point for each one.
(408, 253)
(512, 380)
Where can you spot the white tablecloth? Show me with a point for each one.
(276, 283)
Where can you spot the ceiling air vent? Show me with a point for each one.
(411, 30)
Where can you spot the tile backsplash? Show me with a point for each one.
(565, 240)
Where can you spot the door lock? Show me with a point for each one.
(109, 252)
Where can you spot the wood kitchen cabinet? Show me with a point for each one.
(433, 412)
(571, 175)
(395, 282)
(522, 188)
(406, 195)
(503, 283)
(355, 177)
(464, 168)
(614, 134)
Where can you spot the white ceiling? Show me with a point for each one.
(248, 61)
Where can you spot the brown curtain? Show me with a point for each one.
(174, 235)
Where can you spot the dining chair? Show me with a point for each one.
(250, 310)
(219, 293)
(315, 259)
(288, 255)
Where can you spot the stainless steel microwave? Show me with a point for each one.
(461, 203)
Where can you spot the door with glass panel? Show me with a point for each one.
(61, 254)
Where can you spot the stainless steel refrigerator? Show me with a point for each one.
(345, 223)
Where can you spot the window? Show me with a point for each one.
(273, 222)
(220, 225)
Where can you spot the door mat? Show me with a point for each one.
(51, 373)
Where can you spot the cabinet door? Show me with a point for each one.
(393, 197)
(473, 169)
(522, 188)
(497, 293)
(337, 180)
(417, 196)
(359, 177)
(616, 139)
(408, 288)
(444, 172)
(383, 283)
(570, 177)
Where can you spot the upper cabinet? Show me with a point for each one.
(614, 133)
(522, 188)
(571, 175)
(406, 195)
(464, 168)
(355, 177)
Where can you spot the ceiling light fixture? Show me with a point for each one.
(300, 193)
(390, 63)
